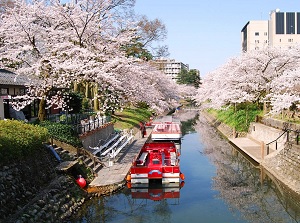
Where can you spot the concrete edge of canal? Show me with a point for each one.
(284, 168)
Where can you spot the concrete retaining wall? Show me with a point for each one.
(93, 137)
(261, 132)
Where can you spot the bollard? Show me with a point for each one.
(262, 146)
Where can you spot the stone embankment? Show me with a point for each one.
(32, 191)
(284, 163)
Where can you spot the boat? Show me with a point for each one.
(166, 128)
(157, 161)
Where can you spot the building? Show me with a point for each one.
(255, 35)
(281, 30)
(11, 85)
(284, 28)
(170, 67)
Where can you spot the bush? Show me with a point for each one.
(62, 132)
(239, 119)
(19, 139)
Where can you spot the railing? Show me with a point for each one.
(86, 154)
(81, 122)
(287, 131)
(88, 124)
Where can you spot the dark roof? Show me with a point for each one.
(9, 78)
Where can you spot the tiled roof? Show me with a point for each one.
(10, 78)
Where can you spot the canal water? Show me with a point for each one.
(221, 186)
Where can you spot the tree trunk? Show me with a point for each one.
(42, 110)
(96, 101)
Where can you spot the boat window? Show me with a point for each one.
(155, 161)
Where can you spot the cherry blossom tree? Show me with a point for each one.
(58, 46)
(256, 76)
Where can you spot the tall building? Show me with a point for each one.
(255, 35)
(170, 67)
(284, 28)
(281, 30)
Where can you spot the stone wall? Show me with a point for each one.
(285, 165)
(32, 191)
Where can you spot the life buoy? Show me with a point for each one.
(81, 181)
(128, 178)
(182, 177)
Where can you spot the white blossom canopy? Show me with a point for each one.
(272, 75)
(56, 45)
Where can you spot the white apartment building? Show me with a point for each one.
(255, 35)
(170, 67)
(282, 30)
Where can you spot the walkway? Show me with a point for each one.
(251, 147)
(116, 170)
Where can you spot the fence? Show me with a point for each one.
(83, 122)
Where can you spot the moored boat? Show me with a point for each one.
(166, 128)
(157, 161)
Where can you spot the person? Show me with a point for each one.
(142, 129)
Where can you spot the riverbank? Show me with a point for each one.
(32, 191)
(284, 169)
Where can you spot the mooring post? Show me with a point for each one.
(262, 148)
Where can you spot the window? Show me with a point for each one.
(4, 91)
(265, 33)
(298, 22)
(155, 161)
(279, 23)
(257, 41)
(290, 23)
(290, 40)
(256, 33)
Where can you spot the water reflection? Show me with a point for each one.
(243, 186)
(157, 192)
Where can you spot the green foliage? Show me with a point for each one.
(85, 104)
(62, 132)
(19, 139)
(130, 117)
(142, 105)
(137, 50)
(240, 118)
(191, 77)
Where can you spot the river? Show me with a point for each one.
(220, 186)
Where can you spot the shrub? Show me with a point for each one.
(62, 132)
(19, 139)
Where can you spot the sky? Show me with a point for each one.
(206, 33)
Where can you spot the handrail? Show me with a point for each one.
(94, 158)
(277, 137)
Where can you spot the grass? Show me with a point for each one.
(130, 117)
(240, 118)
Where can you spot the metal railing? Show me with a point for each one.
(287, 131)
(81, 123)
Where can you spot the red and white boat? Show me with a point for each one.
(158, 161)
(166, 128)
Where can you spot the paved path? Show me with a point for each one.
(116, 173)
(251, 147)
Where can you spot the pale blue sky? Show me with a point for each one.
(205, 34)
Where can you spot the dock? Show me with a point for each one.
(116, 170)
(252, 148)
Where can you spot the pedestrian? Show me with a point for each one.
(142, 129)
